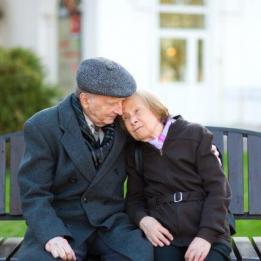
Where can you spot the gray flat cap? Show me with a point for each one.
(104, 77)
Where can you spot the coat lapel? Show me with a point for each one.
(73, 141)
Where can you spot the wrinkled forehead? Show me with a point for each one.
(133, 102)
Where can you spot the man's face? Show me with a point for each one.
(101, 110)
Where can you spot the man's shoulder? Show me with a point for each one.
(50, 116)
(44, 116)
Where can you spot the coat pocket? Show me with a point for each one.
(189, 217)
(166, 214)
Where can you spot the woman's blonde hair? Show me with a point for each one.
(154, 104)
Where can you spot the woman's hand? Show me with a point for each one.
(216, 153)
(155, 232)
(197, 250)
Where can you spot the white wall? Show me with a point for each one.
(32, 24)
(124, 33)
(3, 23)
(241, 62)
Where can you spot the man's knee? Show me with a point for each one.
(106, 253)
(33, 256)
(33, 253)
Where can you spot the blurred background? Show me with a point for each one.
(201, 57)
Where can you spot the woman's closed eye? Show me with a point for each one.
(138, 111)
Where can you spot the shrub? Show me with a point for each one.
(22, 88)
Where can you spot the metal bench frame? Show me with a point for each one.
(232, 141)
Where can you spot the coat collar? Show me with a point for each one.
(72, 140)
(76, 148)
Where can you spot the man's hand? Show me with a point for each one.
(216, 153)
(155, 232)
(60, 248)
(197, 250)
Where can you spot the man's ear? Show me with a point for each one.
(84, 100)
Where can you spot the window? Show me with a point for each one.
(182, 34)
(183, 2)
(200, 73)
(168, 20)
(173, 60)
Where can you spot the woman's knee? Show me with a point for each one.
(168, 253)
(219, 252)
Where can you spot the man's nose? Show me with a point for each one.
(118, 108)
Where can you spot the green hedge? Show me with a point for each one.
(22, 88)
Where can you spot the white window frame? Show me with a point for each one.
(190, 35)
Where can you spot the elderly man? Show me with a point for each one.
(72, 173)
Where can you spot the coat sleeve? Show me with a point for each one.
(35, 179)
(135, 199)
(217, 189)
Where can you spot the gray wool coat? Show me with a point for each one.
(63, 194)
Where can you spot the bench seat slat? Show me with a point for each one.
(8, 247)
(245, 249)
(233, 256)
(257, 241)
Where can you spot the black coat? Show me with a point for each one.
(62, 193)
(185, 164)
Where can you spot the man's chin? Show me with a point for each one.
(106, 122)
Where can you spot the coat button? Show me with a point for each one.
(73, 180)
(84, 199)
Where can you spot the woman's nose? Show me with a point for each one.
(133, 120)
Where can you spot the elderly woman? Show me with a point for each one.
(181, 199)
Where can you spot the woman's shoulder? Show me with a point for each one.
(190, 130)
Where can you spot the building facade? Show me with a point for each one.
(201, 57)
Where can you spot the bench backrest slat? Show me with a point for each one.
(254, 170)
(218, 139)
(17, 150)
(2, 175)
(235, 171)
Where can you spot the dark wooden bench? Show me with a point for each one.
(237, 144)
(233, 143)
(11, 151)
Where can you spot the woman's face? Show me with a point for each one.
(139, 120)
